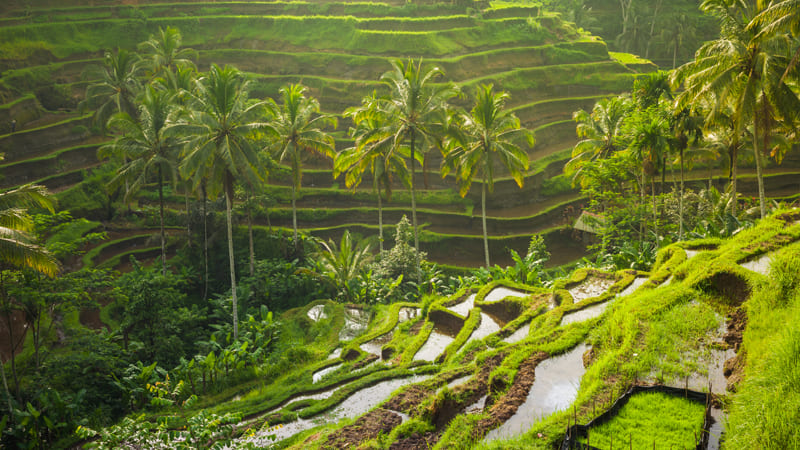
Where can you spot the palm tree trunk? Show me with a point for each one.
(414, 212)
(228, 209)
(643, 221)
(294, 218)
(734, 156)
(655, 210)
(250, 237)
(680, 203)
(380, 220)
(205, 240)
(161, 217)
(188, 218)
(5, 387)
(759, 170)
(483, 220)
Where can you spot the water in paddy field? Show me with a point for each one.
(584, 314)
(759, 265)
(555, 387)
(355, 323)
(636, 284)
(353, 406)
(320, 374)
(374, 346)
(691, 253)
(476, 407)
(716, 429)
(501, 292)
(317, 313)
(519, 335)
(591, 287)
(335, 353)
(407, 313)
(463, 308)
(433, 347)
(487, 326)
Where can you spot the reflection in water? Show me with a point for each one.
(760, 265)
(636, 284)
(433, 347)
(355, 323)
(591, 287)
(320, 374)
(353, 406)
(374, 346)
(501, 292)
(407, 313)
(584, 314)
(463, 308)
(317, 313)
(555, 387)
(519, 335)
(487, 326)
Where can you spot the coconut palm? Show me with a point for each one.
(742, 70)
(299, 129)
(779, 17)
(117, 87)
(373, 151)
(415, 107)
(599, 131)
(219, 150)
(19, 250)
(146, 148)
(649, 140)
(484, 137)
(163, 52)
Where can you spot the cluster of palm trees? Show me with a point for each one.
(203, 130)
(740, 92)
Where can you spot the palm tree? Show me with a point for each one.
(486, 135)
(18, 250)
(687, 128)
(415, 106)
(146, 148)
(165, 53)
(778, 17)
(299, 129)
(118, 86)
(219, 149)
(372, 151)
(650, 139)
(742, 69)
(599, 132)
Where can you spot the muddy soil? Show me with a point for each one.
(446, 323)
(734, 367)
(365, 428)
(408, 400)
(778, 241)
(732, 287)
(416, 442)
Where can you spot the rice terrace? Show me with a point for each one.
(424, 224)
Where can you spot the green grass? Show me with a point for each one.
(650, 417)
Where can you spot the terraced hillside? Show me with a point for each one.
(339, 50)
(508, 365)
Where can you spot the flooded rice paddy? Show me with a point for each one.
(407, 313)
(584, 314)
(375, 345)
(317, 313)
(519, 335)
(555, 387)
(433, 347)
(501, 292)
(636, 284)
(355, 323)
(463, 308)
(591, 287)
(320, 374)
(759, 265)
(487, 326)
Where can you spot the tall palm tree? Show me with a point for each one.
(219, 150)
(649, 140)
(19, 250)
(372, 151)
(415, 106)
(147, 148)
(687, 128)
(599, 131)
(485, 136)
(117, 87)
(299, 128)
(163, 52)
(743, 70)
(778, 17)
